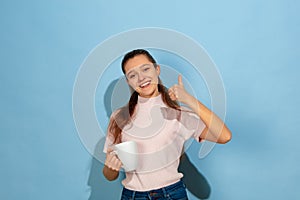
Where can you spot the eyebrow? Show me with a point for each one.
(131, 71)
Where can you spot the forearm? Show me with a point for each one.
(110, 174)
(216, 130)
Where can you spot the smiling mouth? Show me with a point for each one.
(144, 85)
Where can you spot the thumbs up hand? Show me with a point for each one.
(177, 91)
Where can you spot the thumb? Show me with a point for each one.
(110, 150)
(180, 80)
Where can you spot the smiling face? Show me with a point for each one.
(142, 75)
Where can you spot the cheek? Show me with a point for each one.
(154, 77)
(132, 84)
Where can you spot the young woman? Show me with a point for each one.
(156, 176)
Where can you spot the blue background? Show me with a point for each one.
(255, 45)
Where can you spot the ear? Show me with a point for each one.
(157, 70)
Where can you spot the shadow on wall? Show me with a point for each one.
(101, 188)
(195, 182)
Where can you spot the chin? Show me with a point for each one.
(148, 93)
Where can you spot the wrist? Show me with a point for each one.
(189, 100)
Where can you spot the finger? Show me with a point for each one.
(114, 168)
(176, 95)
(115, 162)
(180, 80)
(110, 156)
(119, 166)
(170, 93)
(109, 150)
(173, 98)
(109, 159)
(172, 88)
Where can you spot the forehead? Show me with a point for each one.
(136, 61)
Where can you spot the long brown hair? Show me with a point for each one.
(123, 116)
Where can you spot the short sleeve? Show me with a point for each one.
(108, 142)
(191, 125)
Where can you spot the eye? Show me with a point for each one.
(132, 76)
(146, 69)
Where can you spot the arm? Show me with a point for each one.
(112, 166)
(216, 130)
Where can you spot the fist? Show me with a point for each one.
(112, 161)
(177, 91)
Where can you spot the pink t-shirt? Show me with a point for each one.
(160, 133)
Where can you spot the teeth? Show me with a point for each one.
(144, 84)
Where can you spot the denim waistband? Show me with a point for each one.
(157, 192)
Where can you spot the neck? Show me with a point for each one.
(154, 94)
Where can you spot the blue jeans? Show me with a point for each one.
(176, 191)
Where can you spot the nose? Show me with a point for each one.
(141, 76)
